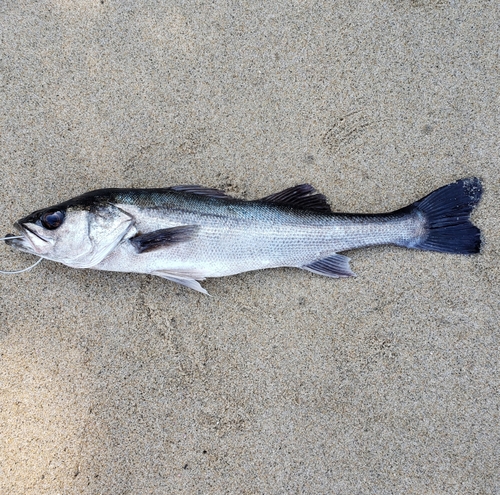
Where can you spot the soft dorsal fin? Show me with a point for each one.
(202, 191)
(301, 196)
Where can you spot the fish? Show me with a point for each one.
(188, 233)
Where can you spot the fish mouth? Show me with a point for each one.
(25, 243)
(15, 242)
(26, 231)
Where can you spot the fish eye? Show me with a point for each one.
(52, 219)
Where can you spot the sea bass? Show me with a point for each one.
(188, 233)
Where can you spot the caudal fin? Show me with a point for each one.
(446, 212)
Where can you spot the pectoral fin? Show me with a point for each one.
(182, 279)
(144, 243)
(333, 266)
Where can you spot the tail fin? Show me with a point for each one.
(447, 211)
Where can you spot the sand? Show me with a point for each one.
(282, 382)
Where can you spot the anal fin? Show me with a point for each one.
(334, 266)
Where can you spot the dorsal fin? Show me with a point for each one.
(202, 191)
(301, 196)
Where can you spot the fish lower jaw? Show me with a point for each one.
(20, 245)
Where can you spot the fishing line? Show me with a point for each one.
(24, 269)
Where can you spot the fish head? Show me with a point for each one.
(76, 234)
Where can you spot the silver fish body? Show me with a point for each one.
(188, 233)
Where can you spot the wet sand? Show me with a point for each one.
(283, 381)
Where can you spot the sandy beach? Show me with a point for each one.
(281, 382)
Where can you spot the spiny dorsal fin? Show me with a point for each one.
(144, 243)
(301, 196)
(202, 191)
